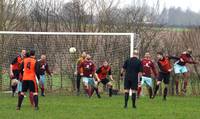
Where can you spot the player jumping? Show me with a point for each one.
(148, 67)
(164, 73)
(181, 69)
(102, 73)
(77, 73)
(87, 72)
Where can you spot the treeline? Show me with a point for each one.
(176, 17)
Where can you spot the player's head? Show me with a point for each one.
(23, 53)
(32, 53)
(135, 53)
(105, 63)
(189, 51)
(43, 57)
(27, 54)
(88, 57)
(160, 55)
(83, 55)
(147, 55)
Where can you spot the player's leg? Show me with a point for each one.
(149, 84)
(110, 88)
(166, 82)
(42, 82)
(127, 87)
(140, 84)
(94, 86)
(25, 86)
(159, 81)
(134, 87)
(185, 73)
(14, 81)
(34, 89)
(78, 81)
(177, 75)
(85, 85)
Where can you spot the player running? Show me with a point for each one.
(44, 67)
(164, 73)
(180, 68)
(77, 73)
(87, 72)
(148, 68)
(30, 68)
(133, 72)
(14, 71)
(102, 73)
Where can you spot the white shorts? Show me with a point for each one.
(147, 81)
(178, 69)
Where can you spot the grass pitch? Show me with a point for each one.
(80, 107)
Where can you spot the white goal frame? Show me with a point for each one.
(132, 35)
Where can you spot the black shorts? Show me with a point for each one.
(16, 74)
(164, 77)
(105, 81)
(31, 85)
(131, 84)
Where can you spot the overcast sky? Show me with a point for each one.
(184, 4)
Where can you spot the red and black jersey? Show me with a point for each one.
(103, 72)
(164, 65)
(16, 63)
(87, 68)
(148, 67)
(185, 58)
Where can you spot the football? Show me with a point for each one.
(72, 50)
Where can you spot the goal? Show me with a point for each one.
(113, 47)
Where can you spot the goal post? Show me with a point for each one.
(115, 47)
(75, 33)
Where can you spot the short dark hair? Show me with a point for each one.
(32, 52)
(27, 54)
(160, 53)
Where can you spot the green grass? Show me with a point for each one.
(80, 107)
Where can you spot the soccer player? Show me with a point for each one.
(180, 68)
(102, 73)
(133, 72)
(30, 68)
(14, 71)
(88, 74)
(164, 73)
(77, 73)
(44, 67)
(148, 68)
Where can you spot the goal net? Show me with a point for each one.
(113, 47)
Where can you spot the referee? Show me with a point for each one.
(132, 69)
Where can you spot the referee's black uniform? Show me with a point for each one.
(132, 67)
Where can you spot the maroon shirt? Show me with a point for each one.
(87, 68)
(185, 58)
(148, 67)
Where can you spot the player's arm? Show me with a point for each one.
(110, 75)
(47, 69)
(11, 66)
(140, 71)
(123, 69)
(37, 70)
(80, 68)
(154, 69)
(173, 58)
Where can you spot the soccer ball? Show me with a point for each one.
(72, 50)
